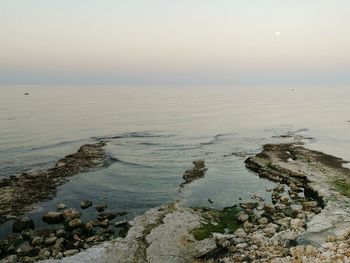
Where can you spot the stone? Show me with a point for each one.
(10, 259)
(284, 199)
(75, 223)
(85, 204)
(70, 214)
(53, 217)
(240, 233)
(121, 224)
(36, 241)
(70, 252)
(263, 221)
(310, 251)
(296, 223)
(50, 240)
(22, 224)
(242, 217)
(100, 208)
(107, 215)
(61, 206)
(60, 232)
(104, 223)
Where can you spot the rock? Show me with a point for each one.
(61, 206)
(10, 259)
(22, 224)
(60, 232)
(75, 223)
(296, 223)
(198, 171)
(85, 204)
(284, 199)
(53, 217)
(269, 209)
(88, 227)
(240, 233)
(101, 208)
(263, 221)
(50, 240)
(108, 215)
(121, 224)
(310, 251)
(70, 252)
(242, 217)
(70, 214)
(258, 239)
(308, 205)
(20, 193)
(36, 241)
(104, 223)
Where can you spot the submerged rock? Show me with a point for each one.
(18, 194)
(53, 217)
(198, 171)
(22, 224)
(85, 204)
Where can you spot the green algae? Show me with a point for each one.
(342, 186)
(217, 221)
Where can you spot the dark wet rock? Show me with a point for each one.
(24, 223)
(85, 204)
(18, 194)
(198, 171)
(50, 240)
(36, 241)
(60, 232)
(101, 208)
(104, 223)
(75, 223)
(121, 224)
(107, 215)
(61, 206)
(53, 217)
(70, 214)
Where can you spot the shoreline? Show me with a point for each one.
(308, 219)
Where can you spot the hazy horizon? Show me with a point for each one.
(174, 42)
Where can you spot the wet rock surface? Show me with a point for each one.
(197, 172)
(69, 235)
(19, 193)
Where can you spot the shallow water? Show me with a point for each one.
(156, 132)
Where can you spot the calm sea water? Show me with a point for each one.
(156, 133)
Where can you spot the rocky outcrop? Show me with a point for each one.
(322, 176)
(19, 193)
(161, 235)
(197, 172)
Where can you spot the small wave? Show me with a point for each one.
(130, 135)
(131, 163)
(216, 138)
(54, 145)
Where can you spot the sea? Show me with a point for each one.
(154, 133)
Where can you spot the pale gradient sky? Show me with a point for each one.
(175, 41)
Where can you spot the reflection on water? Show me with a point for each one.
(155, 133)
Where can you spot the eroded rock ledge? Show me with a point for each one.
(19, 193)
(308, 221)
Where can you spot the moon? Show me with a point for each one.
(277, 34)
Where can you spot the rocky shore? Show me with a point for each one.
(307, 219)
(19, 193)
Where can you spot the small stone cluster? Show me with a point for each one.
(71, 235)
(268, 231)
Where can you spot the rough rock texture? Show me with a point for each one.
(322, 176)
(197, 172)
(19, 193)
(160, 235)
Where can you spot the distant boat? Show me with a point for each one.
(27, 93)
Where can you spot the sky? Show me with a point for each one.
(174, 42)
